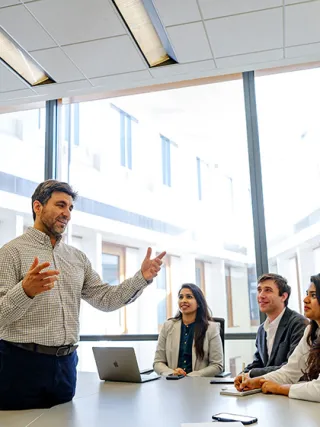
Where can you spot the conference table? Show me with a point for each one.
(161, 403)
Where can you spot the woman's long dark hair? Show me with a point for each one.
(202, 318)
(313, 362)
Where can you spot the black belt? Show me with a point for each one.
(63, 350)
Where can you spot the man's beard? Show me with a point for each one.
(51, 229)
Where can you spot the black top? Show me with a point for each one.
(185, 351)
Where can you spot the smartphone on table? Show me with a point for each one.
(174, 377)
(244, 419)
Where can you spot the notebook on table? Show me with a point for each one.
(232, 391)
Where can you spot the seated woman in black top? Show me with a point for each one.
(190, 343)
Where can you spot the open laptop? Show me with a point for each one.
(120, 364)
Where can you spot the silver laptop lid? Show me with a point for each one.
(117, 364)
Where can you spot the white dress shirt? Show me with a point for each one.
(292, 371)
(271, 330)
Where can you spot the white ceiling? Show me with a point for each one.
(86, 48)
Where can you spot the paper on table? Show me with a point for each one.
(227, 424)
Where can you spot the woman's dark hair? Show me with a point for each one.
(202, 318)
(313, 362)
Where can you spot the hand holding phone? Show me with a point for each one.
(244, 419)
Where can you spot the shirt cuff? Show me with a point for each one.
(147, 281)
(139, 282)
(304, 391)
(18, 296)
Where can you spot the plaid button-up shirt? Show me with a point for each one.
(52, 317)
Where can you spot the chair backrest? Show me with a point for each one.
(220, 320)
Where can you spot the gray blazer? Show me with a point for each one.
(167, 353)
(288, 335)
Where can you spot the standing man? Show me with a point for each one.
(42, 281)
(281, 332)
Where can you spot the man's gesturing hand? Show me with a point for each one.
(36, 282)
(151, 267)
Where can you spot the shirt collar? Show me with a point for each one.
(41, 237)
(191, 325)
(275, 322)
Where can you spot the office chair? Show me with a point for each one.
(221, 321)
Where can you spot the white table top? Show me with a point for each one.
(161, 403)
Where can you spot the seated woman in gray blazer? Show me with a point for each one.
(190, 343)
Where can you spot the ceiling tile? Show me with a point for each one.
(4, 3)
(250, 58)
(9, 80)
(57, 64)
(176, 69)
(190, 42)
(102, 57)
(75, 21)
(122, 80)
(302, 23)
(59, 88)
(17, 94)
(304, 50)
(251, 32)
(175, 12)
(22, 26)
(217, 8)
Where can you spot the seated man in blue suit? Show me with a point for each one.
(281, 332)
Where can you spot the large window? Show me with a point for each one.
(167, 170)
(288, 113)
(184, 189)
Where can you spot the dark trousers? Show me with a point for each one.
(33, 380)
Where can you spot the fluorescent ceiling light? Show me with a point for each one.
(142, 20)
(21, 62)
